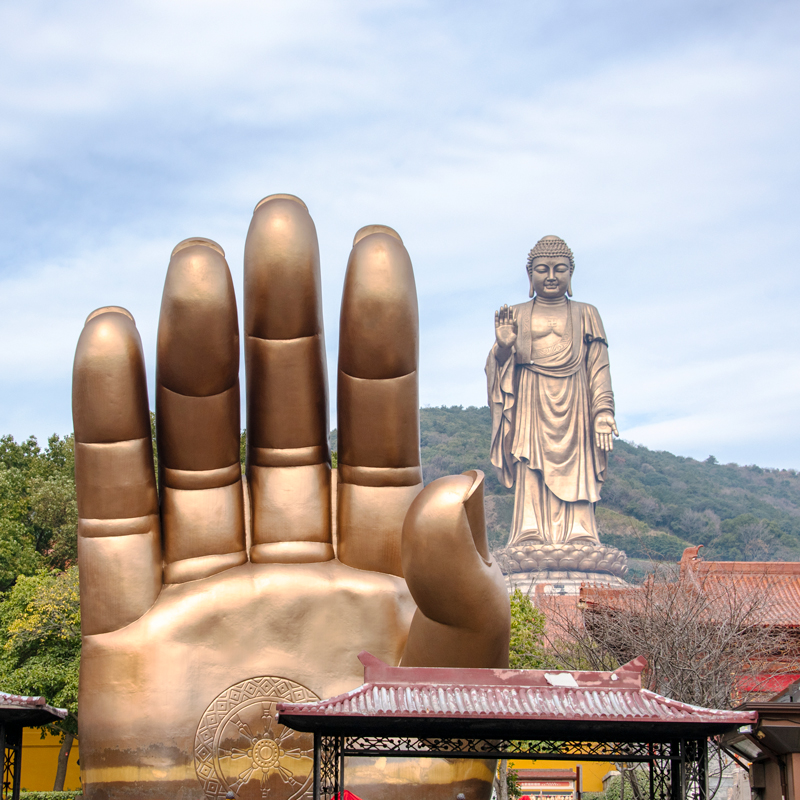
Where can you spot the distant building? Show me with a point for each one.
(549, 784)
(773, 585)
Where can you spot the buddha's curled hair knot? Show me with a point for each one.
(549, 247)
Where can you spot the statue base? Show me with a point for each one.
(585, 558)
(555, 582)
(561, 569)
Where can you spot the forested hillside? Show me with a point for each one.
(654, 503)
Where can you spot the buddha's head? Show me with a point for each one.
(550, 268)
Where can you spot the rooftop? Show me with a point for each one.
(27, 711)
(772, 587)
(517, 704)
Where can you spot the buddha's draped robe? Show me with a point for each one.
(544, 401)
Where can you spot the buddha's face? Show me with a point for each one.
(550, 276)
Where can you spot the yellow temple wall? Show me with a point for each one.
(40, 762)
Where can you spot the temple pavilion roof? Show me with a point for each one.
(428, 701)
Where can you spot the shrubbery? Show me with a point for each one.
(50, 795)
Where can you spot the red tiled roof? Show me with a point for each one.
(28, 710)
(480, 700)
(779, 581)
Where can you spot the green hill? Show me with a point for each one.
(654, 503)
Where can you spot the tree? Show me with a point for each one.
(526, 651)
(53, 515)
(38, 511)
(40, 615)
(506, 782)
(18, 555)
(708, 636)
(40, 626)
(702, 633)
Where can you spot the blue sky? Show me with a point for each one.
(660, 139)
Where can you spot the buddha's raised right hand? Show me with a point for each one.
(505, 328)
(205, 603)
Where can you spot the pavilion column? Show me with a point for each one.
(699, 769)
(317, 765)
(773, 789)
(792, 776)
(11, 749)
(328, 766)
(677, 780)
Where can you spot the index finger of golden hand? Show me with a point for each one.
(378, 401)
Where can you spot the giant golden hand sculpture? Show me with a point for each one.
(206, 600)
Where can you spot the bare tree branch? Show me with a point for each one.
(709, 639)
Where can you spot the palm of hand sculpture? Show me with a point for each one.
(205, 602)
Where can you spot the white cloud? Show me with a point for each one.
(668, 164)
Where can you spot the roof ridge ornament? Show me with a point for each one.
(636, 666)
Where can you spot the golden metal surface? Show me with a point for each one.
(552, 405)
(288, 461)
(197, 390)
(447, 518)
(378, 403)
(240, 740)
(204, 607)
